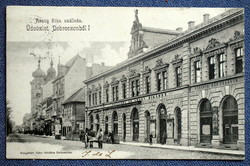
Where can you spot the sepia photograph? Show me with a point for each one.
(125, 83)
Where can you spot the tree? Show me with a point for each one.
(8, 117)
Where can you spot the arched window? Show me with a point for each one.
(115, 122)
(205, 121)
(135, 121)
(230, 120)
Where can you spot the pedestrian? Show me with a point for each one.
(164, 137)
(150, 138)
(86, 138)
(112, 137)
(100, 138)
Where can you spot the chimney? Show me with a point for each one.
(179, 29)
(205, 18)
(190, 24)
(103, 64)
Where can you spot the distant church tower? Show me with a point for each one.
(36, 89)
(51, 72)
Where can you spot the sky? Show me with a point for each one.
(107, 41)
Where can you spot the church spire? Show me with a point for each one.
(51, 63)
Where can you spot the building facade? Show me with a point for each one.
(74, 115)
(182, 87)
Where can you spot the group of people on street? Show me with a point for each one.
(90, 136)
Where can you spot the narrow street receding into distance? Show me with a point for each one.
(34, 147)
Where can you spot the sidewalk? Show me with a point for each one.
(187, 148)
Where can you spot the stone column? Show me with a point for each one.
(215, 123)
(185, 64)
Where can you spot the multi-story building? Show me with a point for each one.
(70, 79)
(183, 87)
(74, 115)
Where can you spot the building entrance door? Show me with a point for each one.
(115, 123)
(206, 130)
(178, 124)
(230, 127)
(230, 120)
(116, 128)
(124, 127)
(135, 131)
(206, 121)
(163, 130)
(135, 121)
(147, 126)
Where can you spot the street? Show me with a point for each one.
(35, 147)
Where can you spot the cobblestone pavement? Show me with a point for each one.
(30, 146)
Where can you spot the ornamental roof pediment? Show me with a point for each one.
(133, 73)
(160, 64)
(237, 35)
(123, 78)
(213, 43)
(106, 84)
(146, 70)
(177, 59)
(114, 81)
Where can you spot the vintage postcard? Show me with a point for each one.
(125, 83)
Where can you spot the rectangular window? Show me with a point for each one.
(239, 60)
(164, 76)
(107, 95)
(211, 67)
(158, 81)
(178, 76)
(222, 65)
(113, 93)
(89, 99)
(96, 98)
(147, 83)
(197, 70)
(100, 97)
(117, 92)
(137, 87)
(124, 90)
(133, 88)
(93, 98)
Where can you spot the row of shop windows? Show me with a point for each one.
(165, 126)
